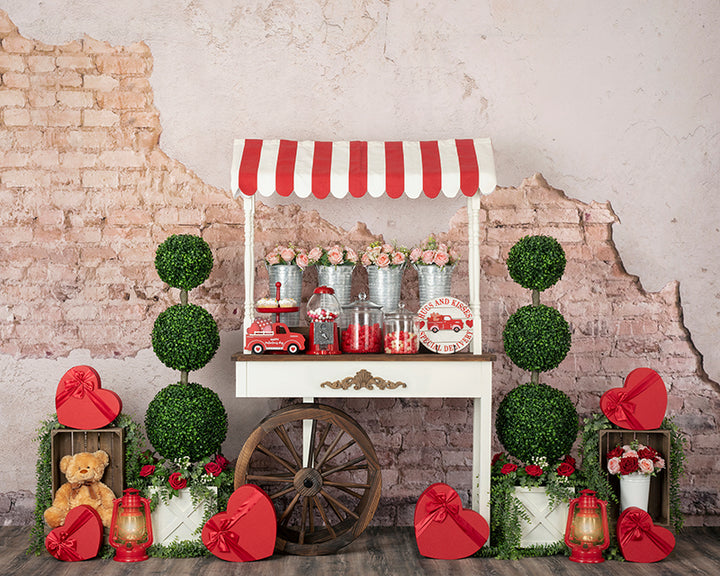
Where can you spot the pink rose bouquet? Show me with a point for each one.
(335, 255)
(384, 255)
(431, 252)
(632, 458)
(289, 254)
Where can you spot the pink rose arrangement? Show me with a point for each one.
(384, 255)
(634, 458)
(431, 252)
(335, 255)
(289, 254)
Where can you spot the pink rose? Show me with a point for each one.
(147, 470)
(613, 465)
(428, 257)
(415, 255)
(441, 258)
(398, 258)
(315, 254)
(222, 461)
(302, 260)
(365, 260)
(287, 254)
(272, 259)
(386, 249)
(659, 463)
(383, 261)
(351, 255)
(335, 255)
(176, 481)
(213, 468)
(454, 255)
(646, 465)
(630, 454)
(508, 468)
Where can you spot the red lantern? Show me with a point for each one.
(587, 532)
(131, 528)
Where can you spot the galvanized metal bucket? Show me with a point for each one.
(339, 278)
(290, 278)
(384, 286)
(434, 281)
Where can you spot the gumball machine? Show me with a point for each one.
(323, 310)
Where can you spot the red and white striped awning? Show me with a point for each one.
(358, 168)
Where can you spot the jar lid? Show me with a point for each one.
(362, 303)
(400, 313)
(323, 290)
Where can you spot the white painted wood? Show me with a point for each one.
(177, 520)
(547, 524)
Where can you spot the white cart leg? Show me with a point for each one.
(307, 436)
(481, 456)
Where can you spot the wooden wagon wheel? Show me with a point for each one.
(325, 495)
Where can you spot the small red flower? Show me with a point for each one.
(177, 482)
(615, 453)
(222, 461)
(508, 468)
(497, 457)
(628, 465)
(147, 470)
(213, 468)
(565, 469)
(570, 460)
(533, 470)
(648, 453)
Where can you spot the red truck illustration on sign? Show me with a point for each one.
(437, 322)
(263, 335)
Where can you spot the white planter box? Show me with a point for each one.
(547, 525)
(178, 520)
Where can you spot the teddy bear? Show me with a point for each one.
(83, 472)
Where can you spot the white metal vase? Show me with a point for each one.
(339, 278)
(634, 490)
(434, 281)
(290, 277)
(384, 286)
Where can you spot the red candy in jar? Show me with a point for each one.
(401, 332)
(361, 327)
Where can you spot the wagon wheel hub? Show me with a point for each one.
(308, 482)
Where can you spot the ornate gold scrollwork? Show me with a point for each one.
(363, 379)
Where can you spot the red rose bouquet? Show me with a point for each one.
(634, 458)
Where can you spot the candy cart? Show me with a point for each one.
(317, 464)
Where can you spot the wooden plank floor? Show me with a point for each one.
(380, 551)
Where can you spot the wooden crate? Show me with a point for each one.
(68, 442)
(659, 500)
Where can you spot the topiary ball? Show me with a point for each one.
(185, 337)
(186, 420)
(537, 338)
(537, 420)
(184, 261)
(536, 262)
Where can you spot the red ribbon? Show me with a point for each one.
(443, 505)
(81, 384)
(622, 406)
(222, 538)
(59, 542)
(638, 525)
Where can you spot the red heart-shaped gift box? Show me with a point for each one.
(443, 528)
(640, 404)
(79, 538)
(640, 540)
(81, 402)
(246, 531)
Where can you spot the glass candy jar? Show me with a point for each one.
(401, 332)
(323, 311)
(361, 327)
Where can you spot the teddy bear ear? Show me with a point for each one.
(65, 462)
(102, 456)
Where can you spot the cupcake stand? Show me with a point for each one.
(317, 464)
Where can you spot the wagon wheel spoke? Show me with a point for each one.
(337, 452)
(303, 517)
(286, 515)
(334, 443)
(311, 516)
(335, 509)
(283, 435)
(347, 488)
(284, 463)
(350, 465)
(339, 504)
(282, 492)
(320, 443)
(268, 478)
(323, 515)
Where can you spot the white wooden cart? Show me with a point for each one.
(325, 478)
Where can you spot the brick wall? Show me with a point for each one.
(87, 194)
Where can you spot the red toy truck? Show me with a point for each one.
(436, 322)
(265, 336)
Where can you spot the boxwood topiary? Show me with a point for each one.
(537, 420)
(184, 261)
(537, 338)
(536, 262)
(185, 337)
(186, 420)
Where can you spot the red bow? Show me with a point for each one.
(80, 385)
(59, 542)
(622, 405)
(442, 505)
(639, 525)
(223, 538)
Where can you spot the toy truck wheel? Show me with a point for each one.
(434, 329)
(258, 348)
(456, 328)
(293, 348)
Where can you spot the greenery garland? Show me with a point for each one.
(133, 439)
